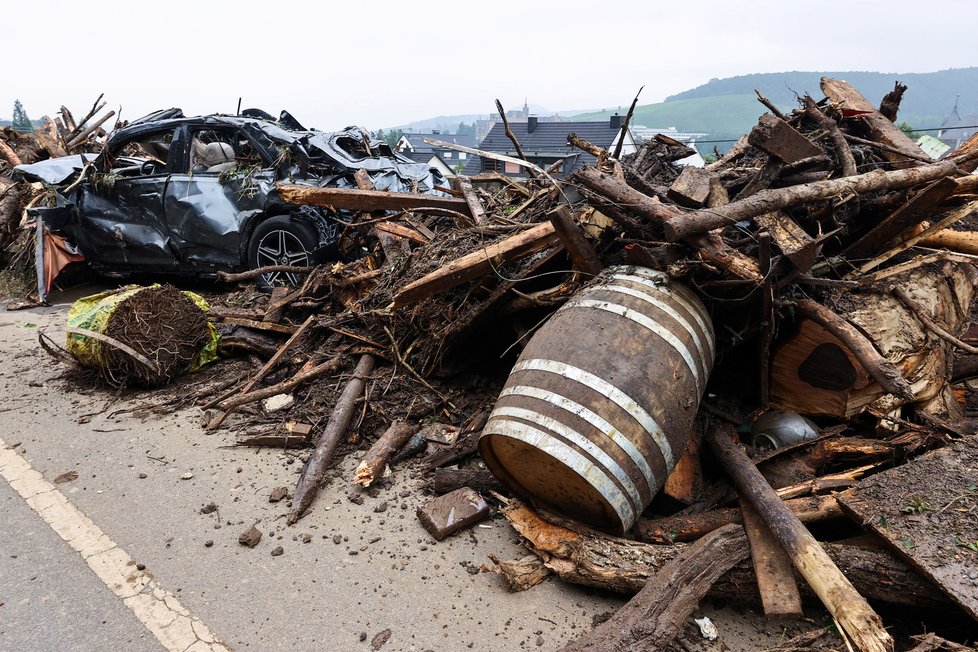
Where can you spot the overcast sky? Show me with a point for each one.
(383, 63)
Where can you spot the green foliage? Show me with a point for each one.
(392, 137)
(465, 129)
(916, 505)
(20, 121)
(907, 129)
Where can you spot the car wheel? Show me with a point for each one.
(281, 240)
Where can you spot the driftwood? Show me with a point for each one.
(581, 252)
(228, 277)
(653, 618)
(850, 609)
(375, 461)
(315, 468)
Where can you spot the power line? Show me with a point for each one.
(915, 129)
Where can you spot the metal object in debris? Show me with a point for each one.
(600, 404)
(778, 428)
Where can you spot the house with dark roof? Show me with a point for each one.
(545, 144)
(956, 129)
(447, 161)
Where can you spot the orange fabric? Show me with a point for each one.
(56, 258)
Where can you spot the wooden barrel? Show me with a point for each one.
(601, 403)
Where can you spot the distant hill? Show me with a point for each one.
(727, 108)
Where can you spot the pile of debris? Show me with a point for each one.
(835, 261)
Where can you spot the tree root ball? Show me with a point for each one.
(164, 325)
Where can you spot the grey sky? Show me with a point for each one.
(383, 63)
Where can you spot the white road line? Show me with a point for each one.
(161, 613)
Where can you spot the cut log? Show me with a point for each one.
(83, 136)
(966, 155)
(339, 420)
(881, 369)
(9, 154)
(366, 200)
(791, 239)
(671, 529)
(856, 618)
(712, 249)
(445, 480)
(842, 151)
(777, 138)
(965, 242)
(692, 188)
(585, 557)
(476, 264)
(680, 227)
(401, 231)
(879, 127)
(653, 618)
(620, 193)
(375, 461)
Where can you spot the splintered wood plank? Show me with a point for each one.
(792, 240)
(922, 206)
(927, 511)
(775, 578)
(366, 200)
(777, 138)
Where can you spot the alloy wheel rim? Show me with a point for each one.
(280, 247)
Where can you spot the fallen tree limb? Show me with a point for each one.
(281, 388)
(228, 277)
(653, 618)
(850, 609)
(589, 558)
(339, 420)
(929, 323)
(366, 200)
(706, 219)
(375, 461)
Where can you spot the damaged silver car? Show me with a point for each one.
(194, 196)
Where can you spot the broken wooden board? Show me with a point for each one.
(691, 188)
(477, 263)
(922, 206)
(927, 511)
(775, 577)
(791, 239)
(366, 200)
(777, 138)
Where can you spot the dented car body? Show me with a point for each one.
(194, 196)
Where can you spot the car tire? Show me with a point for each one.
(282, 240)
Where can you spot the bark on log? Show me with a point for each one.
(589, 558)
(339, 420)
(680, 227)
(446, 480)
(880, 128)
(672, 529)
(375, 461)
(268, 269)
(9, 154)
(850, 609)
(881, 369)
(621, 193)
(653, 618)
(842, 151)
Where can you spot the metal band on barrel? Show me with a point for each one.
(578, 440)
(615, 395)
(595, 421)
(581, 465)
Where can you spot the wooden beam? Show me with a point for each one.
(366, 200)
(849, 609)
(476, 264)
(777, 138)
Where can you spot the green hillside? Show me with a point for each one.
(727, 108)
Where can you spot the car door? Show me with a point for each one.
(222, 184)
(120, 210)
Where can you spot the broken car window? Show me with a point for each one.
(143, 157)
(213, 151)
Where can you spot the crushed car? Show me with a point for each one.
(171, 194)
